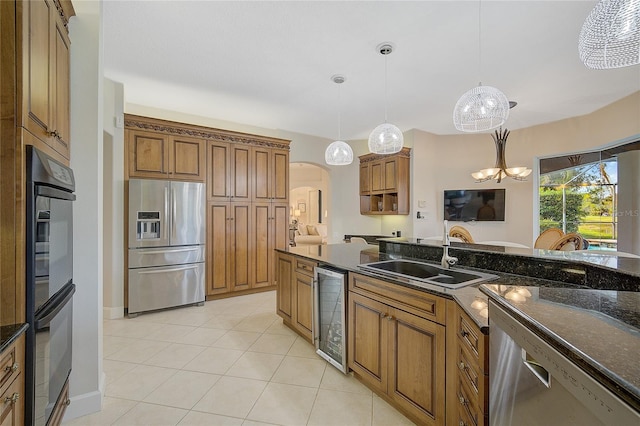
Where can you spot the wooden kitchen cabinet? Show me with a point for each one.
(467, 370)
(295, 293)
(229, 171)
(44, 72)
(160, 156)
(12, 384)
(270, 225)
(384, 183)
(228, 247)
(397, 347)
(270, 177)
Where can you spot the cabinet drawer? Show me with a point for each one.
(469, 373)
(12, 404)
(305, 267)
(11, 363)
(467, 406)
(472, 339)
(418, 302)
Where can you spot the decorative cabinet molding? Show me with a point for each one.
(384, 183)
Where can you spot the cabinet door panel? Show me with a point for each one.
(390, 175)
(304, 302)
(261, 244)
(240, 246)
(37, 98)
(218, 248)
(187, 159)
(417, 352)
(218, 176)
(280, 178)
(261, 171)
(148, 155)
(284, 279)
(365, 178)
(377, 177)
(241, 173)
(62, 102)
(368, 340)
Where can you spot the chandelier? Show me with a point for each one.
(483, 107)
(386, 138)
(610, 36)
(338, 153)
(501, 170)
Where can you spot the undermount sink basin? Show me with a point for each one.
(427, 273)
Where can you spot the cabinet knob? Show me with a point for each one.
(12, 399)
(461, 365)
(389, 318)
(462, 400)
(464, 333)
(461, 423)
(12, 368)
(383, 315)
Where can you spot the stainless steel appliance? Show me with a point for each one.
(166, 244)
(49, 284)
(533, 384)
(329, 332)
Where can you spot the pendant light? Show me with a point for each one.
(386, 138)
(610, 36)
(501, 170)
(483, 107)
(338, 153)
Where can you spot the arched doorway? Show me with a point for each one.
(309, 194)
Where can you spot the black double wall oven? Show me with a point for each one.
(49, 284)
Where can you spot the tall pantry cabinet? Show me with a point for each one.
(247, 179)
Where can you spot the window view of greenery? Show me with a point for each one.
(582, 199)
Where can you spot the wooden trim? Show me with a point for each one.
(404, 152)
(174, 128)
(240, 293)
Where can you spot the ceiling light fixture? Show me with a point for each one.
(386, 138)
(483, 107)
(338, 153)
(610, 36)
(501, 170)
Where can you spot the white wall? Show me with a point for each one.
(87, 381)
(113, 169)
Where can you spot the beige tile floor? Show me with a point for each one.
(229, 362)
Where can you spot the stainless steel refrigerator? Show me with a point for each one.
(166, 244)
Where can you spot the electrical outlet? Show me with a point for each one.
(422, 204)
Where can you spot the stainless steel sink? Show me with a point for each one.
(427, 273)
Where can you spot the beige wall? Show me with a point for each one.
(442, 162)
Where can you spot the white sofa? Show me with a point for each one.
(312, 234)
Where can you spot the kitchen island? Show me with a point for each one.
(583, 305)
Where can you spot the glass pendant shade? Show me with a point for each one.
(610, 36)
(338, 153)
(481, 108)
(386, 139)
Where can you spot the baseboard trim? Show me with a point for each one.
(113, 313)
(85, 404)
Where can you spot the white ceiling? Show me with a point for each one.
(269, 63)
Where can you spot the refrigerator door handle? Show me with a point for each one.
(146, 252)
(173, 215)
(162, 271)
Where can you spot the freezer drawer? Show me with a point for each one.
(163, 256)
(165, 287)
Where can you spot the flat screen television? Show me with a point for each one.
(465, 205)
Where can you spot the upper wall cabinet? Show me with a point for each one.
(44, 73)
(161, 156)
(229, 171)
(384, 183)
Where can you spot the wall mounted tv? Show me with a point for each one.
(466, 205)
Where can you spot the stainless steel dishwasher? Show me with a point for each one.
(531, 383)
(329, 332)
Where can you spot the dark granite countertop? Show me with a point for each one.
(599, 330)
(9, 333)
(586, 306)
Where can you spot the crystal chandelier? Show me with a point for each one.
(610, 36)
(386, 138)
(501, 170)
(483, 107)
(338, 153)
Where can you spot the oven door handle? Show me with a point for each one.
(54, 308)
